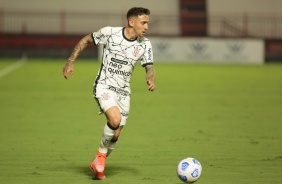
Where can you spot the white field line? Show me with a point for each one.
(12, 67)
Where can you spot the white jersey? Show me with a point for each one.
(120, 55)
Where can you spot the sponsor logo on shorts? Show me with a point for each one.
(119, 91)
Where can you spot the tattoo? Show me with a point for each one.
(150, 72)
(149, 67)
(82, 44)
(76, 51)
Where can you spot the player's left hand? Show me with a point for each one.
(151, 85)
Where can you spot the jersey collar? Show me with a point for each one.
(123, 30)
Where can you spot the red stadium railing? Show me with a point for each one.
(245, 25)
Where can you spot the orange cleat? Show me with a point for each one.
(98, 175)
(100, 162)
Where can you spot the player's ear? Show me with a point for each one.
(131, 22)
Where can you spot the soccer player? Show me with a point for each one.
(123, 47)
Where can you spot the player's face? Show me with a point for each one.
(140, 24)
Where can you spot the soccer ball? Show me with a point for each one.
(189, 170)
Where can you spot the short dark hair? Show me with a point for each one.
(136, 11)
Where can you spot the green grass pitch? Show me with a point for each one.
(229, 117)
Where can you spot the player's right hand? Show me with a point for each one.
(68, 69)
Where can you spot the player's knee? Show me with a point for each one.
(115, 122)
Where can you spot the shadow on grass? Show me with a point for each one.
(111, 170)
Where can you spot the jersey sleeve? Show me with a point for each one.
(148, 55)
(100, 37)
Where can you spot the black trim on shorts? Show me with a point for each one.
(98, 103)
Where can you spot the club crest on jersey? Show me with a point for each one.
(105, 96)
(135, 52)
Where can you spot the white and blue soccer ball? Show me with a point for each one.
(189, 170)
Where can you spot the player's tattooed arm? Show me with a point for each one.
(80, 46)
(150, 77)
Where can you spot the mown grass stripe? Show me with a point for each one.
(12, 67)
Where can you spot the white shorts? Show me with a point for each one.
(109, 96)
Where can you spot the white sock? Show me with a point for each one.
(106, 138)
(111, 147)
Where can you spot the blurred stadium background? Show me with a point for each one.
(226, 115)
(52, 28)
